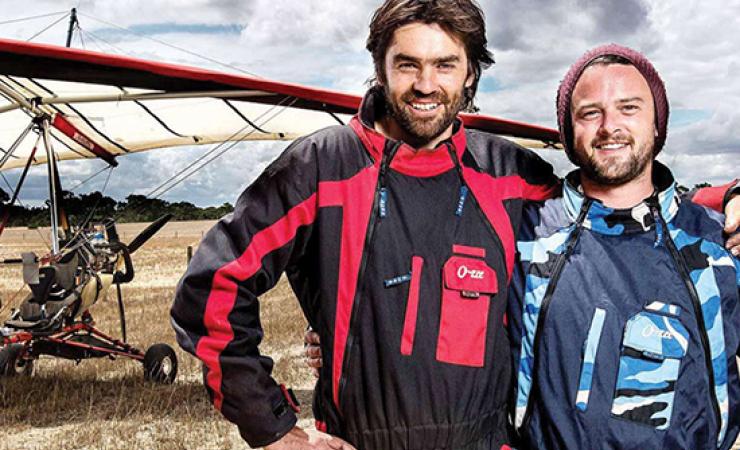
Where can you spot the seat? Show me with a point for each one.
(46, 282)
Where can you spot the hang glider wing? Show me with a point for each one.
(103, 106)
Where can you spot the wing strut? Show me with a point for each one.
(51, 163)
(15, 145)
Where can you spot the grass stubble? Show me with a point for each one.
(106, 404)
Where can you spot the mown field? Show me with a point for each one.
(105, 404)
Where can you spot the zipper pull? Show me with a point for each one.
(659, 232)
(382, 205)
(395, 281)
(461, 200)
(385, 163)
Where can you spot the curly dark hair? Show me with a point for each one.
(461, 18)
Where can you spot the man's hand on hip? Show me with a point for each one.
(312, 351)
(299, 439)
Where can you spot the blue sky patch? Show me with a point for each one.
(153, 29)
(489, 84)
(682, 117)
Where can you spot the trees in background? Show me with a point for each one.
(135, 208)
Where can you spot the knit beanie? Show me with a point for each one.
(641, 63)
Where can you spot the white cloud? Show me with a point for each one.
(320, 42)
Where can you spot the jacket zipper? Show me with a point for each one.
(557, 270)
(684, 273)
(384, 164)
(474, 201)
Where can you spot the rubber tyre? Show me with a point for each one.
(10, 364)
(160, 364)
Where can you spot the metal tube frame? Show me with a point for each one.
(16, 143)
(51, 168)
(127, 96)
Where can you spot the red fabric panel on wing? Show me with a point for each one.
(225, 285)
(115, 70)
(355, 195)
(412, 306)
(69, 130)
(60, 63)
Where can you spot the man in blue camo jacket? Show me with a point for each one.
(624, 311)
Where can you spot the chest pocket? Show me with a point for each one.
(468, 284)
(653, 345)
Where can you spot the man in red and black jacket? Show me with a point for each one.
(397, 235)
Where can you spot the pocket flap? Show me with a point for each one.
(470, 275)
(656, 336)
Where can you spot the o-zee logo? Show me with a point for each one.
(652, 330)
(463, 272)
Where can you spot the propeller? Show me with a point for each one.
(148, 232)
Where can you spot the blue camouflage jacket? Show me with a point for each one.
(625, 325)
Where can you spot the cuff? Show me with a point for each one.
(271, 425)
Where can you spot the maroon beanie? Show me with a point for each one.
(641, 63)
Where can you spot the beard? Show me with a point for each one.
(422, 131)
(615, 171)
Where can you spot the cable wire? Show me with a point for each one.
(233, 144)
(22, 19)
(95, 36)
(205, 155)
(83, 182)
(47, 27)
(7, 183)
(159, 41)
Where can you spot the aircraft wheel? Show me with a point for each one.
(160, 364)
(11, 364)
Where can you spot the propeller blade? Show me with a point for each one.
(110, 230)
(148, 232)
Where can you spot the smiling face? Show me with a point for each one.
(426, 71)
(613, 120)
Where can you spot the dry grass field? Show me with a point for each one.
(105, 404)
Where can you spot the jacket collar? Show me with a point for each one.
(612, 221)
(407, 160)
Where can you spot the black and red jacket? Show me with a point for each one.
(400, 260)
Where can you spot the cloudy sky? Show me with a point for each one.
(694, 44)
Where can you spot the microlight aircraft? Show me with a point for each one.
(59, 103)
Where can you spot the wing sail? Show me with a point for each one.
(103, 106)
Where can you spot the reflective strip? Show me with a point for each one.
(665, 308)
(383, 209)
(589, 359)
(461, 200)
(395, 281)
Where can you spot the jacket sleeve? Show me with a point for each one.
(539, 182)
(716, 197)
(216, 309)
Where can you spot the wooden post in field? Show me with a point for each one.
(190, 253)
